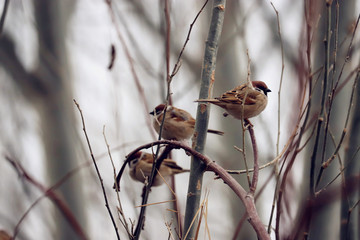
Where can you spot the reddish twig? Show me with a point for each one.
(169, 77)
(256, 162)
(306, 76)
(247, 199)
(50, 193)
(257, 195)
(320, 201)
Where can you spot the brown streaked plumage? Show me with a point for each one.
(141, 165)
(178, 125)
(4, 235)
(233, 101)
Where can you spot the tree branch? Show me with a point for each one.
(246, 198)
(51, 194)
(97, 171)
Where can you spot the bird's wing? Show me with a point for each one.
(237, 96)
(179, 115)
(171, 164)
(148, 158)
(250, 97)
(230, 97)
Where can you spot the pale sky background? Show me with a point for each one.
(111, 98)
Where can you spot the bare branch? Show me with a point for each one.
(247, 199)
(97, 171)
(120, 209)
(51, 194)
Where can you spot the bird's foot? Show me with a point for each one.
(247, 124)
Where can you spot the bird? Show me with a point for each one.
(178, 125)
(140, 165)
(4, 235)
(233, 103)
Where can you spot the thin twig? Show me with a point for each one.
(156, 165)
(97, 171)
(320, 121)
(275, 160)
(327, 42)
(168, 101)
(281, 75)
(66, 177)
(247, 199)
(323, 200)
(169, 98)
(349, 215)
(132, 68)
(193, 221)
(168, 226)
(307, 74)
(3, 15)
(51, 194)
(348, 54)
(339, 174)
(207, 229)
(276, 169)
(201, 214)
(177, 64)
(327, 162)
(156, 203)
(120, 209)
(332, 97)
(257, 195)
(256, 162)
(243, 122)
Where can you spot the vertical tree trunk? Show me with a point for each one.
(48, 89)
(56, 107)
(202, 117)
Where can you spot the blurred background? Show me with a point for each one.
(110, 57)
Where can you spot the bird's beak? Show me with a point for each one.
(152, 113)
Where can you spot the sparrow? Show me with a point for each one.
(178, 125)
(234, 103)
(141, 164)
(4, 235)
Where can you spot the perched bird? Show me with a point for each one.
(178, 125)
(4, 235)
(233, 101)
(141, 163)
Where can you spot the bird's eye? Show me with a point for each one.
(261, 90)
(133, 162)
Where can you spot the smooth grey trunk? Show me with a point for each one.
(202, 117)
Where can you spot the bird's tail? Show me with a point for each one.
(181, 170)
(207, 100)
(215, 132)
